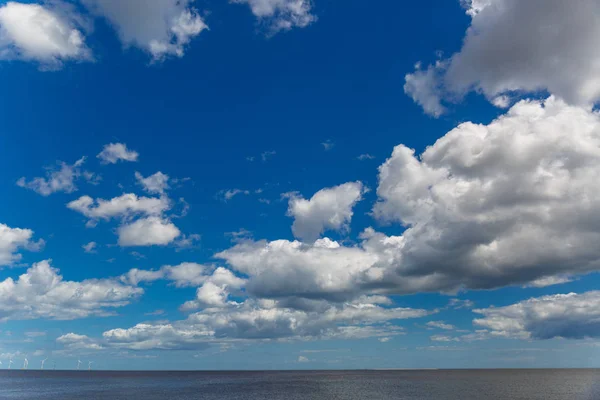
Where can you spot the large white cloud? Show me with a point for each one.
(13, 239)
(328, 209)
(512, 202)
(571, 316)
(281, 14)
(42, 293)
(148, 232)
(48, 34)
(160, 27)
(518, 46)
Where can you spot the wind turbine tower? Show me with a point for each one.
(43, 362)
(90, 365)
(10, 362)
(78, 364)
(25, 362)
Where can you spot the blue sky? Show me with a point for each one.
(284, 184)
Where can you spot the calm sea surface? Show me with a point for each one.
(329, 385)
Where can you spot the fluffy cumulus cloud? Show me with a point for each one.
(150, 228)
(328, 209)
(281, 14)
(42, 293)
(153, 184)
(159, 27)
(513, 47)
(124, 206)
(486, 206)
(61, 179)
(13, 239)
(148, 232)
(571, 316)
(112, 153)
(48, 33)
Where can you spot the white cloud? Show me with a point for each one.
(154, 184)
(73, 341)
(112, 153)
(571, 316)
(42, 293)
(423, 86)
(365, 156)
(281, 14)
(514, 47)
(186, 274)
(56, 180)
(264, 320)
(46, 33)
(148, 232)
(90, 247)
(160, 27)
(328, 209)
(302, 359)
(440, 325)
(486, 206)
(13, 239)
(124, 206)
(229, 194)
(443, 338)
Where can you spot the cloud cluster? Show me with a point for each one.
(13, 239)
(571, 316)
(48, 34)
(42, 293)
(264, 320)
(513, 47)
(486, 206)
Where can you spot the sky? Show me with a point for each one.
(295, 184)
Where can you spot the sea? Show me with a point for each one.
(548, 384)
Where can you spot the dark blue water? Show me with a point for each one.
(326, 385)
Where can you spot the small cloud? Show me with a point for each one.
(302, 359)
(384, 339)
(187, 242)
(155, 313)
(90, 248)
(137, 255)
(227, 195)
(365, 156)
(266, 155)
(115, 152)
(328, 145)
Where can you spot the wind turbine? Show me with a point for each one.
(25, 362)
(43, 361)
(54, 365)
(10, 362)
(78, 364)
(90, 365)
